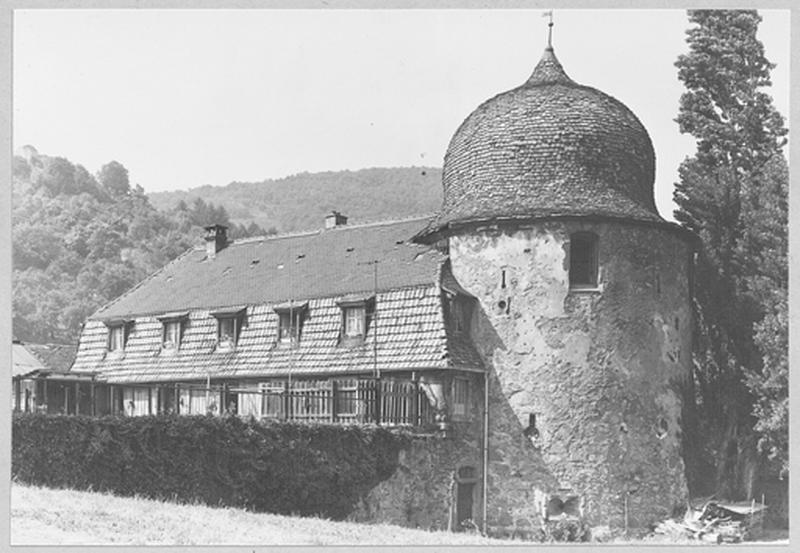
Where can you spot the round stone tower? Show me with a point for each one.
(584, 290)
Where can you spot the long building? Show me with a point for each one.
(535, 331)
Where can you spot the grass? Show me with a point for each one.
(43, 516)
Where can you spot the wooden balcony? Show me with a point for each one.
(345, 401)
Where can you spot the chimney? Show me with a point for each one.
(216, 239)
(335, 219)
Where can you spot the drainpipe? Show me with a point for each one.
(485, 450)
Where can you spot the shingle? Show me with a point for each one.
(194, 282)
(411, 335)
(550, 147)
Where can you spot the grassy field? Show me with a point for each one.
(43, 516)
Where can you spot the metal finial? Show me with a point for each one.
(549, 13)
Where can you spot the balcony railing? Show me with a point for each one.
(387, 402)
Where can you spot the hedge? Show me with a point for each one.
(284, 468)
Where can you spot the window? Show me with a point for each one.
(249, 401)
(272, 398)
(290, 321)
(172, 329)
(136, 401)
(229, 325)
(116, 339)
(118, 330)
(357, 314)
(460, 313)
(583, 260)
(226, 332)
(460, 397)
(354, 318)
(172, 335)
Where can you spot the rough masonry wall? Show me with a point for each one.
(599, 368)
(421, 493)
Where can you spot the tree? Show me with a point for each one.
(764, 252)
(739, 136)
(114, 178)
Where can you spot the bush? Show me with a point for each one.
(565, 530)
(283, 468)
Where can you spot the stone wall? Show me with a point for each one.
(599, 368)
(421, 493)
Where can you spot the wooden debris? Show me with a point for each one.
(716, 522)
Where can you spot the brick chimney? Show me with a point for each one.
(216, 239)
(335, 219)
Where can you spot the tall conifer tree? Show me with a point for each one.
(740, 136)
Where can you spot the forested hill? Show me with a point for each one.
(301, 201)
(80, 240)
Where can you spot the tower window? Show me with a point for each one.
(583, 260)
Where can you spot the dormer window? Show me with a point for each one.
(227, 332)
(290, 321)
(116, 338)
(172, 330)
(356, 311)
(118, 330)
(354, 321)
(172, 335)
(583, 260)
(229, 326)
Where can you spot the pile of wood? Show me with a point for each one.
(716, 522)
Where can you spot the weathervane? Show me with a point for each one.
(549, 13)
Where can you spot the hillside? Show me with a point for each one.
(80, 240)
(300, 202)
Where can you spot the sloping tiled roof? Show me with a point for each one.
(319, 270)
(23, 361)
(276, 269)
(30, 357)
(411, 333)
(550, 147)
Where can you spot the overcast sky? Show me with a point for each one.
(185, 98)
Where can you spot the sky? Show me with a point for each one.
(184, 98)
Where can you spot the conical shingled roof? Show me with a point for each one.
(550, 147)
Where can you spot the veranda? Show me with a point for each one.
(403, 400)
